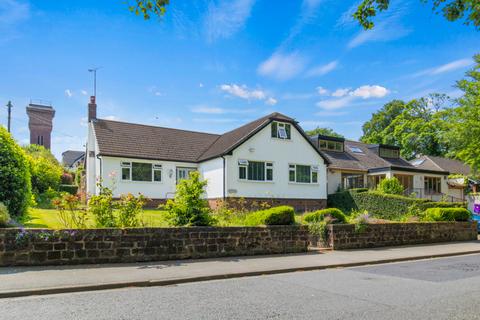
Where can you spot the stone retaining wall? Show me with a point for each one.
(50, 247)
(346, 236)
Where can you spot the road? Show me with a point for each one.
(447, 288)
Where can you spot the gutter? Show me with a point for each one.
(101, 173)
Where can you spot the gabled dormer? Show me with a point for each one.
(329, 143)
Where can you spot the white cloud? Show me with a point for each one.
(225, 18)
(374, 91)
(200, 85)
(271, 101)
(84, 92)
(322, 91)
(345, 96)
(297, 96)
(282, 66)
(242, 91)
(68, 93)
(323, 69)
(451, 66)
(333, 104)
(346, 19)
(84, 121)
(340, 92)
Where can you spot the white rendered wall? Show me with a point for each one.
(262, 147)
(212, 171)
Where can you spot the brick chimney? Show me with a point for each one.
(40, 123)
(92, 109)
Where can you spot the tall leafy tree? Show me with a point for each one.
(45, 170)
(463, 122)
(323, 131)
(416, 127)
(452, 10)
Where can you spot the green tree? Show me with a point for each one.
(463, 122)
(323, 131)
(416, 127)
(15, 187)
(374, 130)
(390, 186)
(452, 10)
(189, 207)
(45, 170)
(148, 7)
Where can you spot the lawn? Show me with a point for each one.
(48, 218)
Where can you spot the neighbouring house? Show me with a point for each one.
(270, 159)
(460, 173)
(360, 165)
(71, 159)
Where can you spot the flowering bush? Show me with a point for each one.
(101, 206)
(69, 213)
(129, 208)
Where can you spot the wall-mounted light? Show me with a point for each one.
(251, 149)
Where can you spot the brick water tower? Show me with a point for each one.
(40, 122)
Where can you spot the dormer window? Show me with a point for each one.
(281, 130)
(389, 152)
(331, 145)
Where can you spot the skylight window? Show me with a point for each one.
(355, 149)
(418, 162)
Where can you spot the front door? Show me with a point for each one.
(183, 173)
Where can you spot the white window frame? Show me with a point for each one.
(128, 165)
(292, 167)
(268, 165)
(282, 130)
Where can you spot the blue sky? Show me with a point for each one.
(214, 65)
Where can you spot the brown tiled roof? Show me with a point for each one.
(123, 139)
(366, 161)
(444, 164)
(148, 142)
(229, 140)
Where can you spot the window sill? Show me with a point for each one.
(138, 182)
(280, 139)
(304, 183)
(255, 181)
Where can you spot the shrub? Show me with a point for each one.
(69, 213)
(45, 170)
(69, 188)
(79, 174)
(188, 207)
(15, 184)
(282, 215)
(66, 178)
(101, 206)
(447, 214)
(390, 186)
(44, 200)
(129, 208)
(4, 216)
(334, 215)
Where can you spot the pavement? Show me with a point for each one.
(25, 281)
(430, 289)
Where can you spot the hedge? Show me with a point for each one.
(447, 214)
(320, 215)
(282, 215)
(70, 188)
(384, 206)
